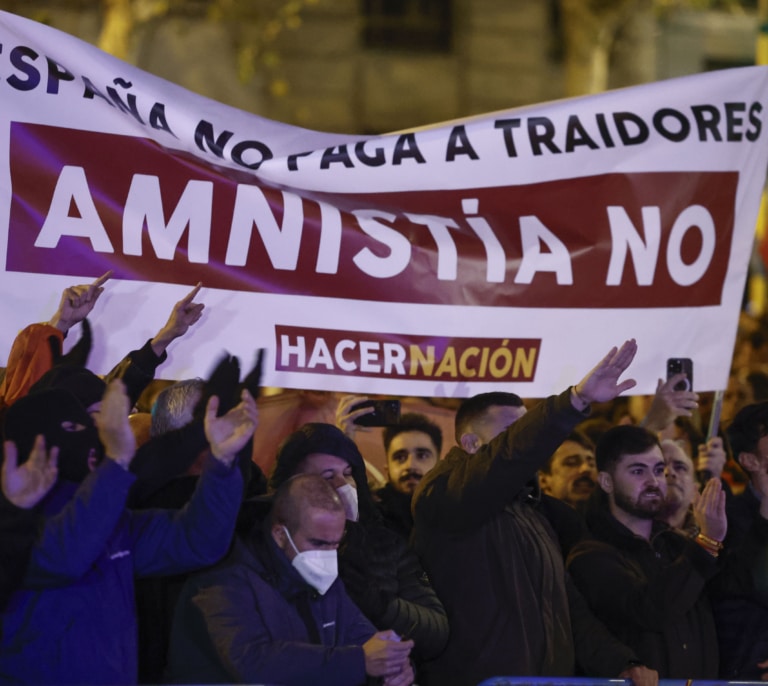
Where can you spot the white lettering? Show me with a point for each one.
(321, 355)
(493, 249)
(145, 204)
(369, 357)
(330, 239)
(624, 236)
(72, 187)
(338, 353)
(287, 350)
(558, 260)
(447, 257)
(394, 358)
(693, 216)
(399, 247)
(282, 242)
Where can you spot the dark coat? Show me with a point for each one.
(18, 530)
(495, 562)
(651, 595)
(74, 622)
(395, 508)
(740, 596)
(254, 619)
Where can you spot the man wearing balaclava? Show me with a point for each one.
(73, 622)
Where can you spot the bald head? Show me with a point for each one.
(308, 508)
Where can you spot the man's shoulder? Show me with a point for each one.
(441, 471)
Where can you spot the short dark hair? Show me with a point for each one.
(413, 421)
(476, 406)
(576, 436)
(748, 426)
(626, 439)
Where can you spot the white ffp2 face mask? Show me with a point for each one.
(348, 496)
(319, 568)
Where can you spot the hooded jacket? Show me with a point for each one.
(254, 619)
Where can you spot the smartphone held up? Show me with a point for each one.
(385, 412)
(678, 365)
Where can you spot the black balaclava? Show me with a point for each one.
(81, 382)
(43, 413)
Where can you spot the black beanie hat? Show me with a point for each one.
(81, 382)
(43, 413)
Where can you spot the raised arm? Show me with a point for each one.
(668, 404)
(184, 314)
(138, 367)
(77, 302)
(602, 383)
(462, 493)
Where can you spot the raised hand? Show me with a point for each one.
(602, 382)
(345, 416)
(113, 425)
(668, 404)
(26, 486)
(709, 510)
(184, 314)
(77, 302)
(228, 434)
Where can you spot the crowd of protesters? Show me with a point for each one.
(587, 534)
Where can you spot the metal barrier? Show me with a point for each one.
(587, 681)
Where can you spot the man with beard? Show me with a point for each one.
(413, 447)
(643, 579)
(571, 475)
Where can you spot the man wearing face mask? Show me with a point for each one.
(273, 612)
(381, 573)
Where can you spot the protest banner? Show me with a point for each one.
(503, 251)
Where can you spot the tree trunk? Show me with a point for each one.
(590, 29)
(117, 29)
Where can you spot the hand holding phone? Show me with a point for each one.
(681, 365)
(385, 413)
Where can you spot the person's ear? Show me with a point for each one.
(544, 483)
(606, 481)
(278, 535)
(749, 462)
(470, 442)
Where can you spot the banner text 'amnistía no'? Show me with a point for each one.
(505, 251)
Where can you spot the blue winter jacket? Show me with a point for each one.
(253, 619)
(74, 622)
